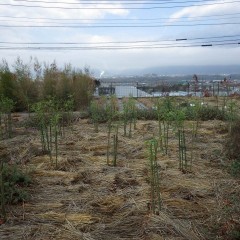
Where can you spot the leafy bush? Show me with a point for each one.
(232, 147)
(233, 142)
(147, 114)
(235, 168)
(14, 182)
(206, 113)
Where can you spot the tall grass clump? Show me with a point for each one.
(28, 83)
(6, 107)
(155, 196)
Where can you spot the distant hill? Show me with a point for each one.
(184, 70)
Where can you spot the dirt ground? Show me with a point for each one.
(84, 198)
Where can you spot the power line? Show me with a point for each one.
(118, 19)
(124, 42)
(119, 26)
(120, 48)
(110, 23)
(114, 8)
(139, 46)
(127, 2)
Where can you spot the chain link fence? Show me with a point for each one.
(190, 88)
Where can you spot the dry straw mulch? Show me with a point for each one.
(86, 199)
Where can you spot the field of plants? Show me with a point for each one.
(116, 171)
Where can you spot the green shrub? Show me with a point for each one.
(147, 114)
(211, 113)
(232, 145)
(235, 168)
(15, 182)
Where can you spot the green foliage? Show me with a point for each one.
(6, 107)
(26, 90)
(129, 115)
(146, 114)
(232, 145)
(113, 145)
(15, 182)
(49, 81)
(104, 110)
(48, 117)
(68, 107)
(97, 113)
(235, 234)
(235, 168)
(211, 113)
(231, 114)
(8, 85)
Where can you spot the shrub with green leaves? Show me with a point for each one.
(6, 107)
(97, 113)
(13, 183)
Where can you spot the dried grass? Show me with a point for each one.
(86, 199)
(74, 218)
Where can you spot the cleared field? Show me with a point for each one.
(84, 198)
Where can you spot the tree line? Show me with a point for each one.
(28, 83)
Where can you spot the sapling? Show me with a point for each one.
(114, 145)
(133, 111)
(111, 111)
(129, 116)
(232, 114)
(167, 119)
(125, 116)
(48, 117)
(196, 109)
(39, 109)
(159, 115)
(94, 110)
(180, 117)
(98, 111)
(68, 107)
(156, 202)
(167, 111)
(55, 122)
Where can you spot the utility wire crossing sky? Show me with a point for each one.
(120, 35)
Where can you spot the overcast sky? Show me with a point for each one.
(138, 34)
